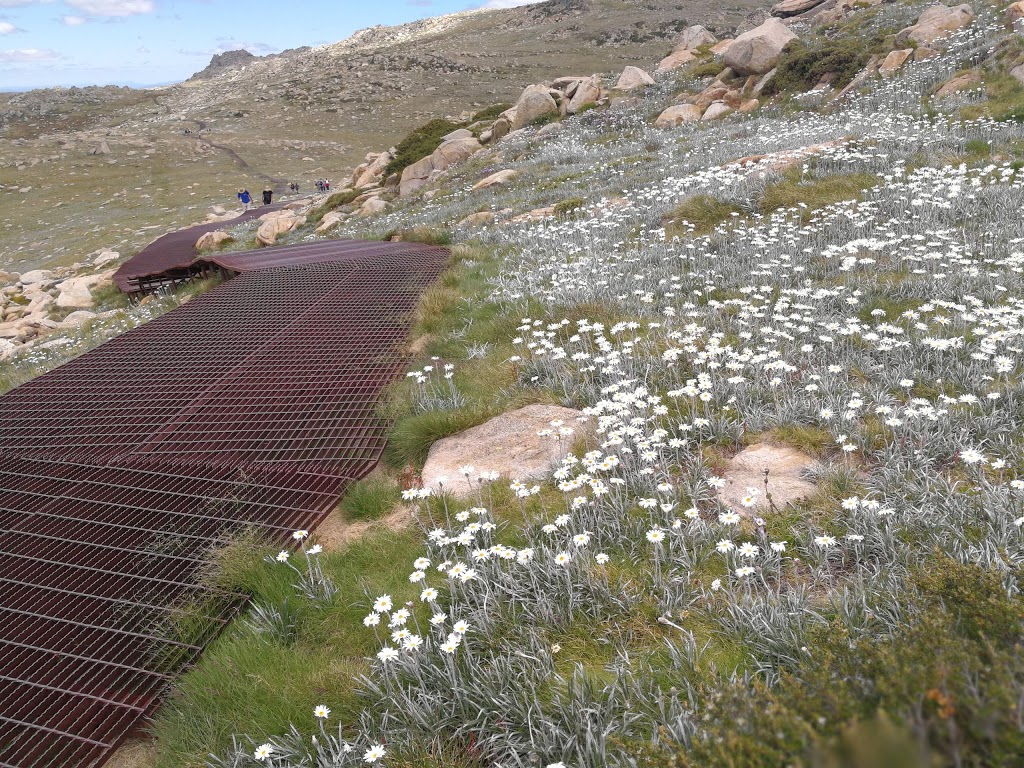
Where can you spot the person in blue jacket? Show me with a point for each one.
(244, 198)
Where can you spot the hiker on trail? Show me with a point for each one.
(244, 198)
(267, 195)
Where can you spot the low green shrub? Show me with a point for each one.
(568, 207)
(943, 679)
(803, 65)
(492, 112)
(419, 143)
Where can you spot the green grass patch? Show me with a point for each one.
(699, 215)
(815, 193)
(1004, 99)
(371, 499)
(248, 683)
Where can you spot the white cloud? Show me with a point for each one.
(495, 4)
(7, 28)
(20, 3)
(112, 7)
(28, 55)
(74, 21)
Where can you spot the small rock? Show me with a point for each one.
(372, 207)
(75, 294)
(535, 102)
(499, 179)
(76, 319)
(330, 219)
(676, 60)
(507, 444)
(276, 226)
(787, 483)
(106, 257)
(477, 219)
(964, 82)
(936, 23)
(677, 115)
(588, 92)
(212, 241)
(1018, 72)
(1015, 12)
(633, 78)
(36, 276)
(693, 37)
(458, 133)
(716, 111)
(794, 7)
(894, 62)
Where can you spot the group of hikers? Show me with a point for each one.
(246, 199)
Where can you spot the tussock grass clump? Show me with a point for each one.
(419, 143)
(699, 215)
(422, 234)
(370, 499)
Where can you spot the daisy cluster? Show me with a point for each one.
(887, 326)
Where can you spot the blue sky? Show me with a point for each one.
(148, 42)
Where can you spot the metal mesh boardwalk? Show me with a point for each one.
(251, 406)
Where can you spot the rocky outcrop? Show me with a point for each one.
(936, 23)
(757, 51)
(420, 173)
(371, 171)
(536, 102)
(509, 444)
(587, 92)
(633, 78)
(222, 62)
(275, 226)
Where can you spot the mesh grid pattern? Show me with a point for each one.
(252, 406)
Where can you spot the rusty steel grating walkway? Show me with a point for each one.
(252, 406)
